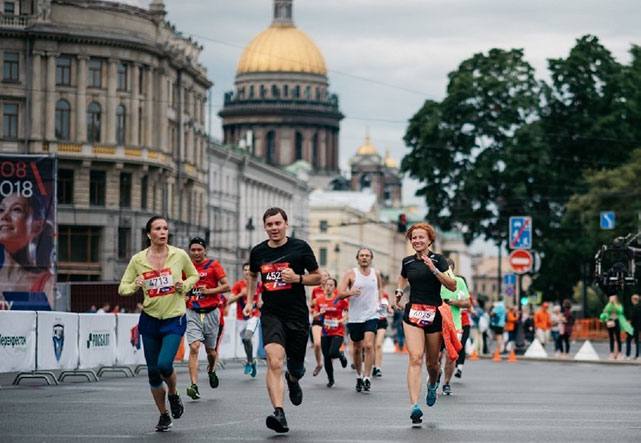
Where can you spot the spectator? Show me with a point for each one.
(104, 309)
(542, 324)
(614, 320)
(511, 324)
(497, 322)
(556, 328)
(528, 325)
(92, 309)
(484, 328)
(635, 320)
(568, 323)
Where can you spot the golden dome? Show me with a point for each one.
(367, 148)
(389, 161)
(282, 49)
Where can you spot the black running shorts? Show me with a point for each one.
(357, 330)
(436, 326)
(290, 334)
(382, 323)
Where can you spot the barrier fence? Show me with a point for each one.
(589, 329)
(36, 343)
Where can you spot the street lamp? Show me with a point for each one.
(249, 227)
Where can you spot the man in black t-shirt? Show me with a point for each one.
(281, 262)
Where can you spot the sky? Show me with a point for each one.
(386, 57)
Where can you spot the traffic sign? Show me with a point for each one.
(509, 279)
(520, 232)
(521, 261)
(608, 220)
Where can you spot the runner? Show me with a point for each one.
(317, 325)
(332, 313)
(246, 325)
(158, 270)
(204, 313)
(426, 320)
(466, 323)
(364, 286)
(383, 310)
(281, 262)
(457, 299)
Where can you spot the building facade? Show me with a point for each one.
(118, 95)
(281, 107)
(241, 188)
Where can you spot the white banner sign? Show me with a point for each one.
(57, 340)
(129, 345)
(227, 346)
(97, 340)
(17, 341)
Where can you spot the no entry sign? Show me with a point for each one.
(521, 261)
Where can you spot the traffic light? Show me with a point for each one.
(525, 300)
(402, 223)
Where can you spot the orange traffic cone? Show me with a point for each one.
(497, 356)
(180, 354)
(512, 357)
(474, 356)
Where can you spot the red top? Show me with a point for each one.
(334, 311)
(211, 272)
(316, 292)
(241, 302)
(465, 317)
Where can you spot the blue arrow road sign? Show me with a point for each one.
(608, 220)
(509, 279)
(520, 233)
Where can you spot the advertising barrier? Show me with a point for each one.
(17, 341)
(129, 350)
(96, 340)
(227, 348)
(57, 340)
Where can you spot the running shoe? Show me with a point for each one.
(447, 390)
(192, 391)
(277, 422)
(376, 372)
(367, 385)
(213, 379)
(359, 384)
(253, 369)
(330, 383)
(431, 394)
(416, 415)
(317, 370)
(458, 373)
(164, 423)
(247, 369)
(295, 391)
(343, 360)
(176, 405)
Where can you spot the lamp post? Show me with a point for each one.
(249, 227)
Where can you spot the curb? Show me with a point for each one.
(568, 360)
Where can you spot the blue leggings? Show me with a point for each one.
(159, 353)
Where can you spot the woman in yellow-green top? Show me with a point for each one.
(159, 271)
(614, 320)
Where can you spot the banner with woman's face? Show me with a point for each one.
(27, 232)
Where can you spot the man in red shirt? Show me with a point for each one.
(204, 313)
(246, 325)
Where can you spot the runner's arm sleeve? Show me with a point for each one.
(127, 283)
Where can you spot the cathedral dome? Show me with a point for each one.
(367, 148)
(282, 48)
(389, 162)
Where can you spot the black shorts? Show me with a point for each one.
(357, 330)
(497, 329)
(317, 322)
(289, 333)
(382, 323)
(436, 326)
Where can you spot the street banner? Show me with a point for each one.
(129, 350)
(57, 340)
(27, 232)
(17, 341)
(97, 340)
(227, 348)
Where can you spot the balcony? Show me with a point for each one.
(15, 21)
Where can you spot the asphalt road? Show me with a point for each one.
(523, 401)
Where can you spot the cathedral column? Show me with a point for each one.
(37, 101)
(134, 104)
(50, 110)
(81, 99)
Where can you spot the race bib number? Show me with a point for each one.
(422, 315)
(331, 323)
(273, 278)
(159, 283)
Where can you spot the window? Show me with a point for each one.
(9, 8)
(97, 187)
(63, 120)
(79, 244)
(94, 112)
(323, 226)
(10, 121)
(317, 93)
(251, 91)
(122, 76)
(121, 125)
(124, 243)
(298, 150)
(286, 90)
(11, 67)
(270, 155)
(63, 70)
(65, 186)
(144, 188)
(308, 92)
(125, 190)
(315, 152)
(95, 73)
(296, 91)
(275, 91)
(263, 91)
(322, 257)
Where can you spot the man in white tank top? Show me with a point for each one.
(364, 286)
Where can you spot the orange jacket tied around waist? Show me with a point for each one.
(452, 343)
